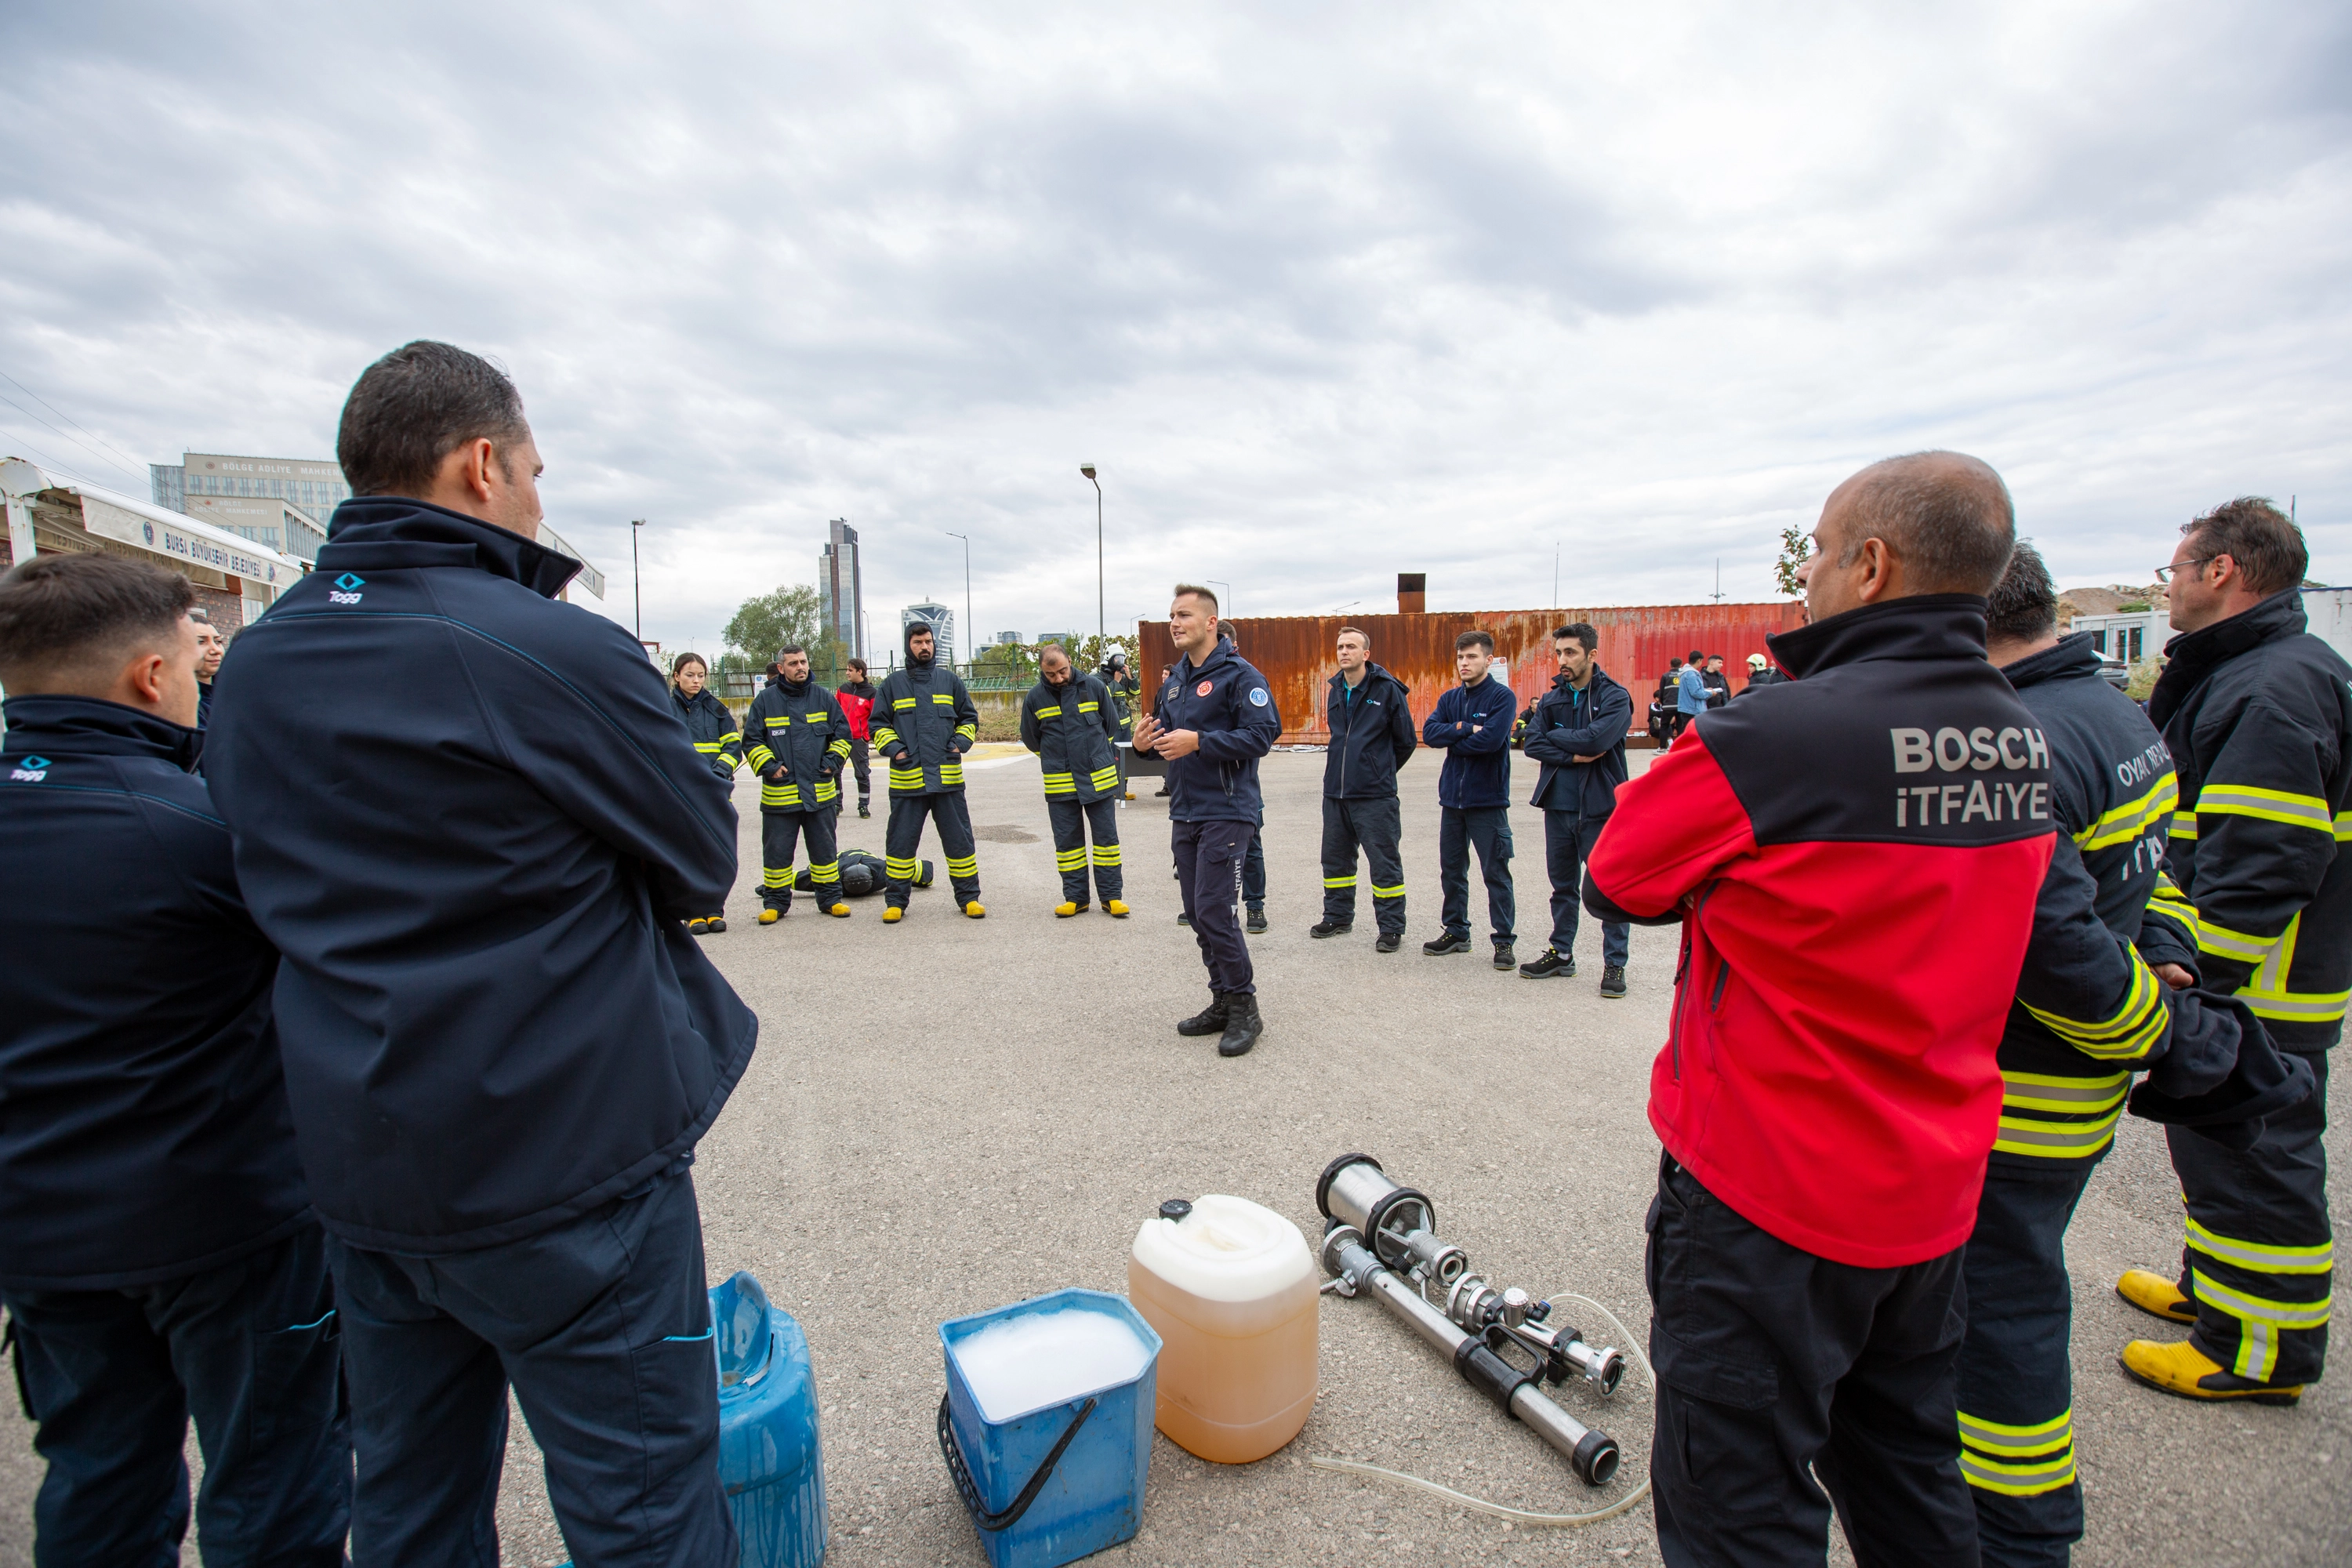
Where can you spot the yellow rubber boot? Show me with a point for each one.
(1064, 909)
(2155, 1296)
(1113, 906)
(697, 926)
(837, 909)
(976, 910)
(893, 915)
(2187, 1371)
(770, 917)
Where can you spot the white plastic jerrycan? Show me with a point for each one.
(1230, 1287)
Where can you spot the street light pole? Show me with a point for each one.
(968, 633)
(637, 576)
(1102, 625)
(1228, 603)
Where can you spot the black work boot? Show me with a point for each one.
(1242, 1026)
(1505, 958)
(1256, 919)
(1389, 941)
(1613, 981)
(863, 808)
(1208, 1020)
(1447, 943)
(1553, 963)
(1328, 927)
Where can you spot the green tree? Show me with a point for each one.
(1091, 651)
(1794, 550)
(793, 613)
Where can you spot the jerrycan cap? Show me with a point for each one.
(1175, 1209)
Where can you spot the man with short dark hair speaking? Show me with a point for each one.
(1854, 859)
(471, 820)
(158, 1255)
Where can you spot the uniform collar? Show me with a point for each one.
(2072, 659)
(2192, 656)
(1223, 650)
(91, 726)
(1920, 626)
(388, 533)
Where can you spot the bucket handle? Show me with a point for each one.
(952, 1451)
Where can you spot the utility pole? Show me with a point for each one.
(1101, 625)
(968, 633)
(1719, 579)
(636, 573)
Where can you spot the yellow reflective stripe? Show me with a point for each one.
(828, 872)
(1395, 892)
(968, 732)
(1070, 859)
(2219, 939)
(1338, 882)
(1052, 712)
(2299, 1007)
(951, 773)
(780, 721)
(771, 877)
(943, 699)
(2251, 1309)
(1061, 783)
(2041, 1437)
(2343, 825)
(1107, 855)
(898, 870)
(709, 748)
(2184, 825)
(966, 867)
(780, 794)
(2263, 1257)
(1089, 708)
(2122, 823)
(839, 748)
(901, 702)
(761, 758)
(2131, 1032)
(2047, 1091)
(2018, 1477)
(816, 716)
(1106, 778)
(2056, 1139)
(2267, 805)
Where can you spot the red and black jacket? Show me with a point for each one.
(1855, 857)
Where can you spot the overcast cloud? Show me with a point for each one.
(1328, 291)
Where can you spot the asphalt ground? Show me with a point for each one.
(949, 1115)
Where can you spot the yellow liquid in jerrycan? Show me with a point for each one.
(1232, 1292)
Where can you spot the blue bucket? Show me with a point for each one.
(1052, 1485)
(769, 1458)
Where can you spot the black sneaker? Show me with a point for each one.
(1504, 957)
(1612, 980)
(1256, 919)
(1329, 927)
(1389, 941)
(1553, 963)
(1183, 920)
(865, 810)
(1447, 943)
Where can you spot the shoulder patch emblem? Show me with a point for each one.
(1203, 688)
(1257, 695)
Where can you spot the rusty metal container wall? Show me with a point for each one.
(1296, 651)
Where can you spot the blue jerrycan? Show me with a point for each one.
(769, 1458)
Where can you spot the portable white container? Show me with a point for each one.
(1231, 1289)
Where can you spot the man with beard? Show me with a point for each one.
(924, 721)
(797, 743)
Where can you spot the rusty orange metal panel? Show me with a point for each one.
(1296, 651)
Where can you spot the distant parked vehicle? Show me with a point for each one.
(2117, 672)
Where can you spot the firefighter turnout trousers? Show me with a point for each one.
(905, 836)
(779, 834)
(2017, 1420)
(1776, 1366)
(1375, 827)
(1073, 822)
(2260, 1258)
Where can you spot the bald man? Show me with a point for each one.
(1853, 858)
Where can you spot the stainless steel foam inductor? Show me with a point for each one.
(1382, 1238)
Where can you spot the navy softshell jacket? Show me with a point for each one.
(469, 817)
(143, 1130)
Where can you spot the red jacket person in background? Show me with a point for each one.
(1855, 859)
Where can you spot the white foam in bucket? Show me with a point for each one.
(1027, 1362)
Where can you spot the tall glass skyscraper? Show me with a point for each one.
(943, 622)
(841, 593)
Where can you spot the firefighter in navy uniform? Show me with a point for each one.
(1369, 713)
(1123, 687)
(2259, 719)
(1215, 718)
(712, 724)
(799, 741)
(924, 721)
(1068, 719)
(2089, 1011)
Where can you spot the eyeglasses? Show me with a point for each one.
(2164, 574)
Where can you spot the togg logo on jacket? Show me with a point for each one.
(1852, 928)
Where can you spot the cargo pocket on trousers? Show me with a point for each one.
(678, 1393)
(1721, 1434)
(298, 1377)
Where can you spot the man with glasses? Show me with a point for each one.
(2258, 715)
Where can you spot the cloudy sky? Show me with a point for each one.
(1328, 291)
